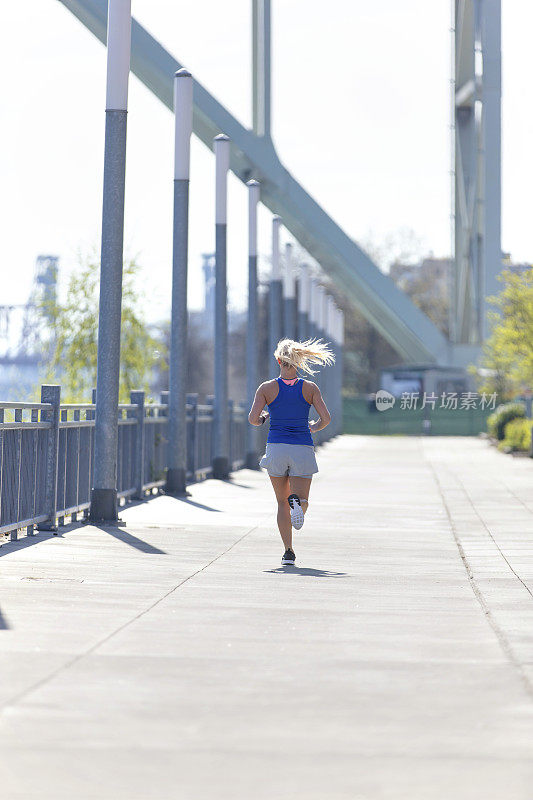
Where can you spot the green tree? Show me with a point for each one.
(74, 335)
(507, 364)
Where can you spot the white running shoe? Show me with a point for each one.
(297, 514)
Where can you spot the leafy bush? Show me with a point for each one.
(504, 413)
(517, 435)
(507, 353)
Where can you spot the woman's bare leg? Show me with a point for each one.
(282, 489)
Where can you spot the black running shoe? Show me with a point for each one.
(288, 558)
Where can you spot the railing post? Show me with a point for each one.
(104, 488)
(231, 428)
(192, 455)
(34, 418)
(164, 399)
(77, 418)
(51, 394)
(62, 475)
(18, 418)
(137, 398)
(177, 439)
(210, 401)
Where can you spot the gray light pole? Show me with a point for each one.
(320, 311)
(275, 318)
(289, 295)
(177, 447)
(221, 465)
(261, 67)
(313, 305)
(319, 330)
(104, 490)
(333, 369)
(338, 369)
(304, 288)
(253, 323)
(340, 335)
(326, 371)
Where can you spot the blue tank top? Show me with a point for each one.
(289, 416)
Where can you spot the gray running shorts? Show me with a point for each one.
(289, 459)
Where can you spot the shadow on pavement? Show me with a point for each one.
(129, 538)
(3, 623)
(8, 546)
(196, 504)
(232, 482)
(179, 497)
(307, 571)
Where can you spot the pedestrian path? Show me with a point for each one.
(172, 657)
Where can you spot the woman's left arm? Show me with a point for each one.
(257, 416)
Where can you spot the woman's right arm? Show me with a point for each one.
(321, 409)
(257, 416)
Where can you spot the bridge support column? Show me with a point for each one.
(104, 491)
(275, 315)
(252, 349)
(221, 467)
(177, 449)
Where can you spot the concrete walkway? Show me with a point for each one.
(174, 658)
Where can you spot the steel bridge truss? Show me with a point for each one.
(390, 311)
(476, 99)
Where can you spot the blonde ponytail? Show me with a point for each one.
(301, 355)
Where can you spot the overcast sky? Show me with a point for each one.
(361, 114)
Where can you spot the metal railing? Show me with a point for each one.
(47, 454)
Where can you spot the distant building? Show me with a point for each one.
(26, 334)
(517, 268)
(204, 320)
(427, 284)
(436, 271)
(432, 271)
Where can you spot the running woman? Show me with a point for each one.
(290, 456)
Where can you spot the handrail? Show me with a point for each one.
(23, 405)
(57, 444)
(46, 462)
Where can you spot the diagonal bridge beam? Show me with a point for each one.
(374, 294)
